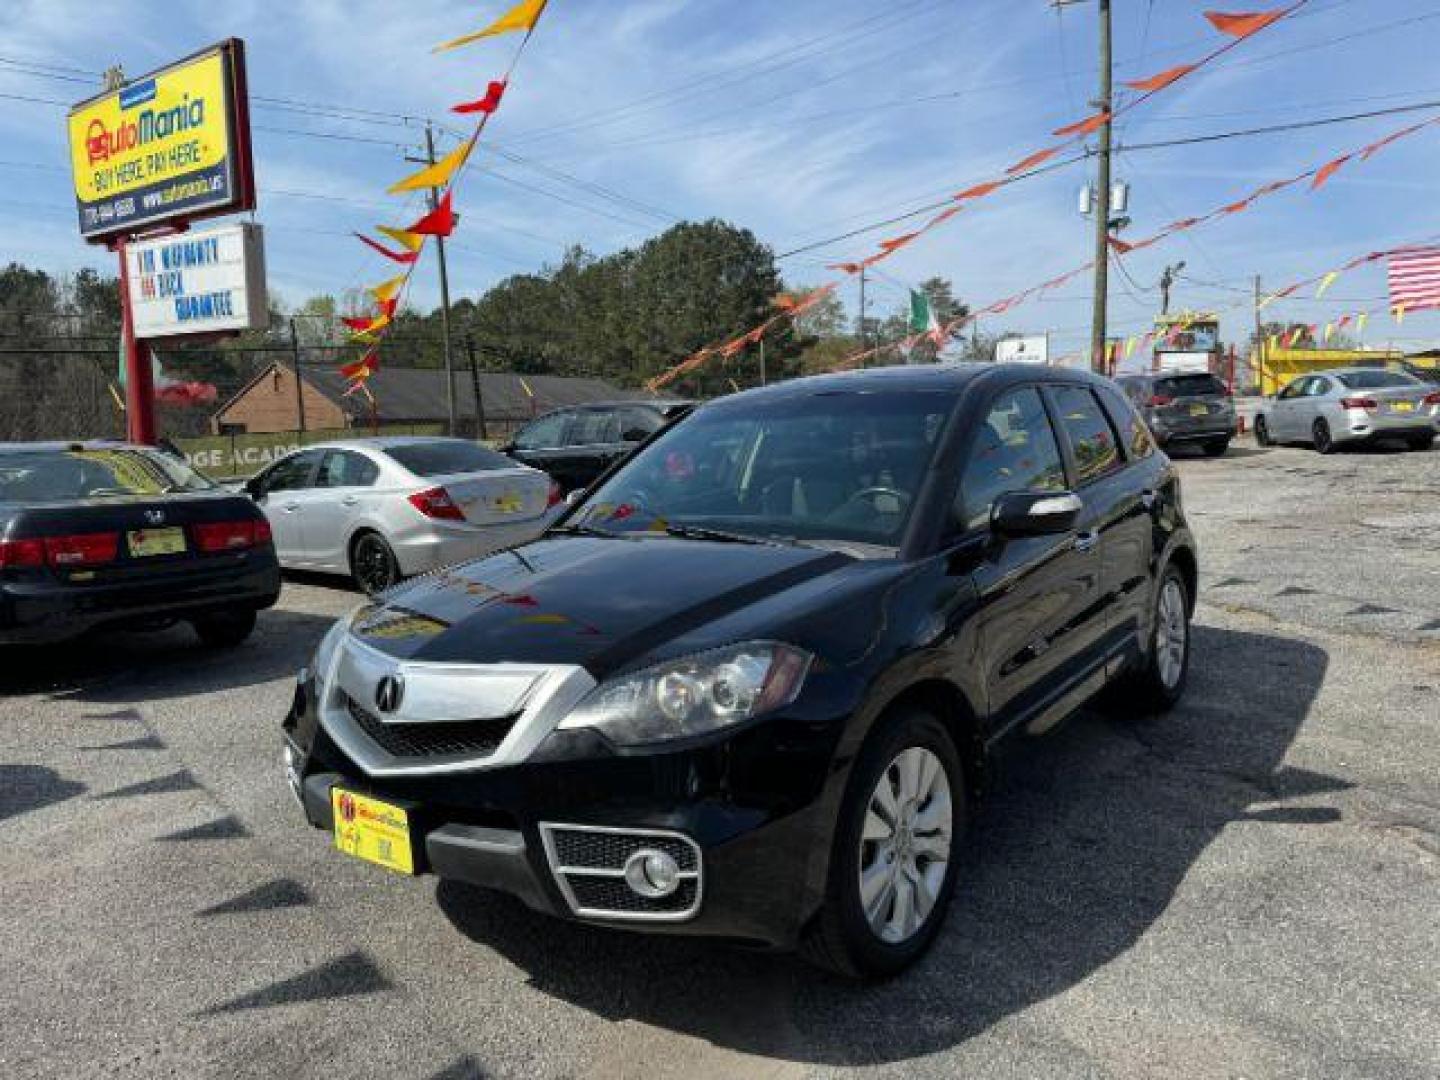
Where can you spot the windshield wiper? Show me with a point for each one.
(578, 529)
(700, 532)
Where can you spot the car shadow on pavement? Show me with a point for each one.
(130, 667)
(1081, 846)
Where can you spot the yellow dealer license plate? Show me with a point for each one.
(145, 542)
(1402, 406)
(370, 829)
(1199, 410)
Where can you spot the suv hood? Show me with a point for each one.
(597, 602)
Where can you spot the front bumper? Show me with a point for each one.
(753, 808)
(45, 610)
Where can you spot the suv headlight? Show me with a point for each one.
(694, 695)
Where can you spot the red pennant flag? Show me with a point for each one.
(395, 256)
(1120, 247)
(1025, 164)
(359, 325)
(363, 368)
(845, 268)
(1163, 79)
(1344, 322)
(895, 243)
(1244, 24)
(487, 104)
(1182, 224)
(1329, 169)
(439, 222)
(1087, 126)
(979, 191)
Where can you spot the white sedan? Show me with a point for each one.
(382, 509)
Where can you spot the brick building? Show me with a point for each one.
(402, 396)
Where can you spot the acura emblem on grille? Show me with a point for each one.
(389, 692)
(155, 517)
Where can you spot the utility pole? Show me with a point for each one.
(1260, 343)
(429, 159)
(762, 361)
(475, 385)
(864, 333)
(1098, 330)
(1167, 282)
(299, 383)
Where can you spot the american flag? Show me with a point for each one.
(1415, 278)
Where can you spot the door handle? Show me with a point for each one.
(1086, 541)
(349, 500)
(290, 508)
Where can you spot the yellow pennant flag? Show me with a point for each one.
(408, 240)
(1267, 301)
(1326, 282)
(1399, 314)
(1274, 341)
(388, 290)
(437, 175)
(1360, 322)
(1329, 331)
(523, 16)
(1129, 347)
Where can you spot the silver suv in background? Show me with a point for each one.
(1193, 409)
(1351, 405)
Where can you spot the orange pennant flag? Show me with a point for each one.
(895, 243)
(523, 16)
(439, 174)
(1373, 148)
(1025, 164)
(979, 191)
(1244, 24)
(846, 267)
(1236, 207)
(942, 217)
(1087, 126)
(1182, 224)
(1329, 169)
(1163, 79)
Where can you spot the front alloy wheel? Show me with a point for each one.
(1324, 441)
(905, 845)
(1172, 634)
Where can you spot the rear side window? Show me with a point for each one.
(345, 468)
(445, 456)
(1133, 432)
(1097, 453)
(1015, 450)
(1189, 386)
(547, 433)
(636, 421)
(594, 427)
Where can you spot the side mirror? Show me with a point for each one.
(251, 487)
(573, 498)
(508, 448)
(1035, 513)
(634, 435)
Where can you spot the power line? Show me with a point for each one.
(1272, 129)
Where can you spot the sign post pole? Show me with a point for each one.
(139, 376)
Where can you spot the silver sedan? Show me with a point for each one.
(382, 509)
(1351, 405)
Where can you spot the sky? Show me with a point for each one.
(800, 120)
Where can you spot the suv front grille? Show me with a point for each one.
(475, 738)
(589, 867)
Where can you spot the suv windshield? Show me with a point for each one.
(446, 456)
(1180, 386)
(836, 467)
(50, 476)
(1376, 380)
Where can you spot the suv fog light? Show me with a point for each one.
(652, 874)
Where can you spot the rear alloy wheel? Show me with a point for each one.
(893, 869)
(224, 631)
(1216, 447)
(373, 564)
(1320, 435)
(1262, 432)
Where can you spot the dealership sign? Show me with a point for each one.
(198, 282)
(174, 144)
(1023, 350)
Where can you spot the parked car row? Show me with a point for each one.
(1350, 406)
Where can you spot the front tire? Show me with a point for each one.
(373, 564)
(893, 867)
(1262, 432)
(1321, 437)
(225, 630)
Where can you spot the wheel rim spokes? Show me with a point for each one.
(905, 845)
(1170, 634)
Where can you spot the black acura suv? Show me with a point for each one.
(748, 686)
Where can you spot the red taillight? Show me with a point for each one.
(86, 549)
(1432, 399)
(1159, 401)
(436, 503)
(556, 496)
(1368, 404)
(22, 553)
(216, 536)
(263, 533)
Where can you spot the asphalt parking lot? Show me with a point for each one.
(1249, 887)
